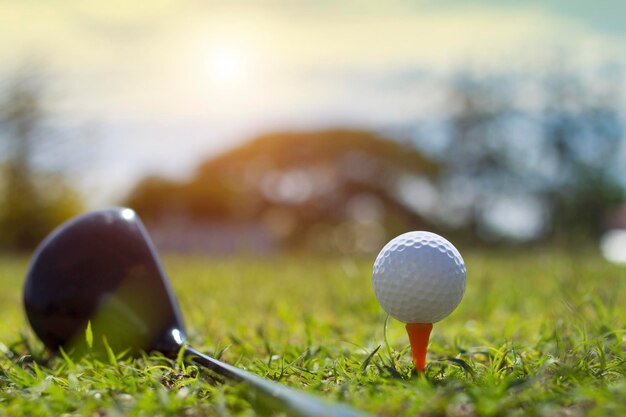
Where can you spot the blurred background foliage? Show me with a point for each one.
(307, 189)
(548, 142)
(530, 159)
(261, 126)
(32, 200)
(517, 158)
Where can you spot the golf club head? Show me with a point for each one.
(101, 267)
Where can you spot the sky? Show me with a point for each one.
(156, 87)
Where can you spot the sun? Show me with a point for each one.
(227, 65)
(223, 68)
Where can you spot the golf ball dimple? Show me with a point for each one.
(419, 277)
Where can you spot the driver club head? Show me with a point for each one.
(101, 267)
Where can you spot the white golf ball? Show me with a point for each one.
(419, 277)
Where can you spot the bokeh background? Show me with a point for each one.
(273, 126)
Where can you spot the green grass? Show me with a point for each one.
(538, 333)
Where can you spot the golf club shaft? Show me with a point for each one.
(289, 400)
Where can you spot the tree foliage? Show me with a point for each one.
(554, 139)
(536, 156)
(32, 201)
(306, 187)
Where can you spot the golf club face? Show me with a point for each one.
(102, 268)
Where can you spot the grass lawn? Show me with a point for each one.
(538, 333)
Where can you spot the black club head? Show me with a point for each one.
(101, 267)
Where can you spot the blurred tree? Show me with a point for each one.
(583, 133)
(477, 160)
(525, 156)
(156, 196)
(327, 189)
(32, 201)
(553, 139)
